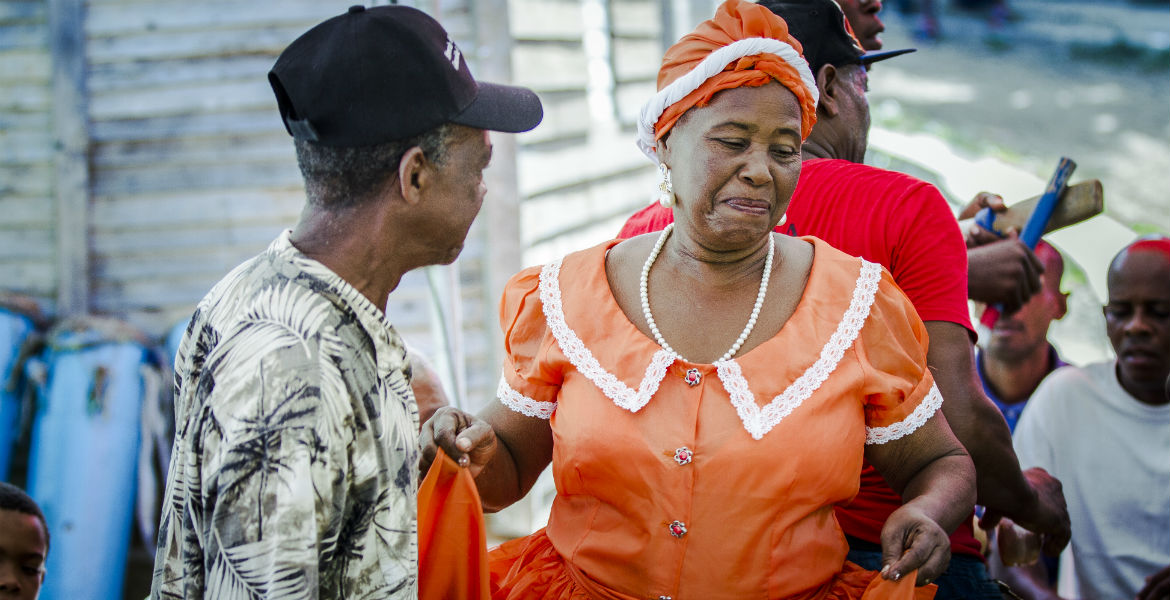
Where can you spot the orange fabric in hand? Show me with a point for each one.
(452, 539)
(902, 589)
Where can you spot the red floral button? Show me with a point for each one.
(683, 456)
(692, 377)
(677, 529)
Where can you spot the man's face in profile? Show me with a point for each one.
(863, 17)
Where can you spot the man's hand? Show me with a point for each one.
(975, 235)
(1157, 586)
(911, 540)
(981, 201)
(467, 439)
(1048, 516)
(1003, 272)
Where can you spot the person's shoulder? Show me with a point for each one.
(236, 286)
(1066, 387)
(588, 257)
(281, 324)
(874, 188)
(828, 257)
(1072, 375)
(835, 167)
(529, 280)
(863, 275)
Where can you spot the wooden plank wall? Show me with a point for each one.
(580, 173)
(638, 44)
(190, 170)
(27, 213)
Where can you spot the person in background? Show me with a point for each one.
(295, 464)
(1104, 430)
(906, 225)
(24, 544)
(862, 16)
(1017, 356)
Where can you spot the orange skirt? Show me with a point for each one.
(529, 568)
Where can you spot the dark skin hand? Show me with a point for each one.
(1054, 536)
(1157, 586)
(981, 201)
(1000, 271)
(513, 453)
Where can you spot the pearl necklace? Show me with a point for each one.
(643, 290)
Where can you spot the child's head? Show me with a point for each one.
(24, 544)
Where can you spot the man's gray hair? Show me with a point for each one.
(344, 177)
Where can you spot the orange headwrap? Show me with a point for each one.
(735, 20)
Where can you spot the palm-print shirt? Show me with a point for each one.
(294, 471)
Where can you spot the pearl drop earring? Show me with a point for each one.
(665, 187)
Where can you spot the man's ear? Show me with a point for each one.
(1061, 304)
(828, 78)
(414, 173)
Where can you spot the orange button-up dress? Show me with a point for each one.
(706, 481)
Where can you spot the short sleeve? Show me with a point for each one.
(929, 257)
(899, 390)
(529, 384)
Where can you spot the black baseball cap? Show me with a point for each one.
(387, 73)
(819, 26)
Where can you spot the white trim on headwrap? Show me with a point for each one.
(708, 68)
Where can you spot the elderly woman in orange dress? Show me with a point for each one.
(706, 395)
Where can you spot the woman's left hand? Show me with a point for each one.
(911, 540)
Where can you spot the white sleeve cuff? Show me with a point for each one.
(523, 404)
(930, 404)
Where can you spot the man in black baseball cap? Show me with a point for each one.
(295, 465)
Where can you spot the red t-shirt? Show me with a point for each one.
(904, 224)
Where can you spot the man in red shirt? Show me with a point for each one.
(906, 225)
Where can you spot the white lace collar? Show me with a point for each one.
(757, 421)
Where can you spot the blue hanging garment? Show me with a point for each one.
(83, 460)
(17, 332)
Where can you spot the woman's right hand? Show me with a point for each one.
(913, 541)
(467, 439)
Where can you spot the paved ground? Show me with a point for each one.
(1088, 80)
